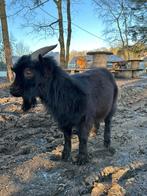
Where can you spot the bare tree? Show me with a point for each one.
(50, 28)
(69, 31)
(19, 49)
(6, 42)
(138, 29)
(61, 32)
(116, 16)
(64, 52)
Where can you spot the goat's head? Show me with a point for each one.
(29, 73)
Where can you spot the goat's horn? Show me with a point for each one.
(42, 51)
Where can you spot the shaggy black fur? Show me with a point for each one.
(79, 101)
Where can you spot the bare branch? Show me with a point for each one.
(28, 8)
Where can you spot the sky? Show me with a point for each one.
(83, 14)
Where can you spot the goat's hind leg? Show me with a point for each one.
(107, 133)
(107, 130)
(96, 126)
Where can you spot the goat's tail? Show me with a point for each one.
(115, 96)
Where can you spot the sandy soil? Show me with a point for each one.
(31, 146)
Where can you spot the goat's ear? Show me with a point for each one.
(40, 66)
(44, 68)
(40, 58)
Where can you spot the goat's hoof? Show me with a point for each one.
(82, 159)
(55, 158)
(66, 157)
(111, 150)
(107, 144)
(25, 109)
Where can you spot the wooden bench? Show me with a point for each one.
(129, 73)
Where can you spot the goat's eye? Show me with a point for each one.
(28, 73)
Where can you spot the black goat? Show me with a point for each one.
(79, 101)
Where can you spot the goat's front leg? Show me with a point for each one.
(66, 154)
(28, 104)
(83, 152)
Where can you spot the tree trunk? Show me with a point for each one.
(126, 32)
(61, 33)
(6, 43)
(68, 32)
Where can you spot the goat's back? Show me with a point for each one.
(101, 90)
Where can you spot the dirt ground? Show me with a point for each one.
(31, 146)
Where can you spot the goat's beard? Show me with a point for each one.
(28, 104)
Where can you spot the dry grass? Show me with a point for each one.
(4, 85)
